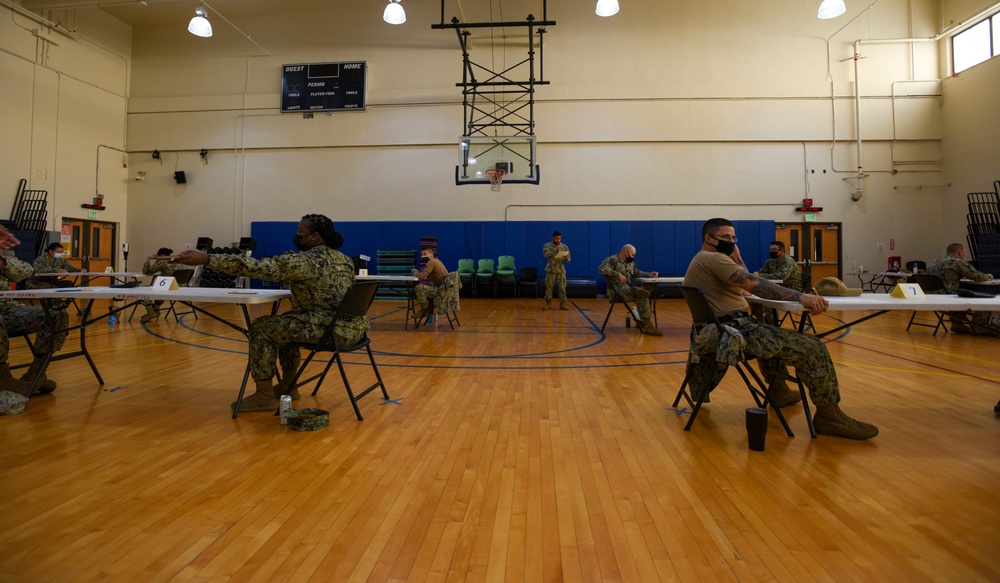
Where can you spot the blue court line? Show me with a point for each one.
(530, 356)
(549, 355)
(567, 367)
(395, 401)
(681, 411)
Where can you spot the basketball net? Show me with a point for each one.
(496, 178)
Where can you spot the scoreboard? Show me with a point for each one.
(323, 87)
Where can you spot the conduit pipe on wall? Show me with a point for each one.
(507, 208)
(97, 172)
(956, 28)
(44, 22)
(859, 189)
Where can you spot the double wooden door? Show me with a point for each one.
(814, 246)
(91, 244)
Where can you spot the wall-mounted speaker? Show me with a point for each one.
(179, 177)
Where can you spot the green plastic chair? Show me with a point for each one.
(467, 273)
(486, 275)
(506, 272)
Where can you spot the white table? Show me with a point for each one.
(653, 282)
(883, 303)
(677, 280)
(881, 279)
(115, 275)
(410, 281)
(186, 295)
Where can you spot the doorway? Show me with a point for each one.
(91, 244)
(815, 247)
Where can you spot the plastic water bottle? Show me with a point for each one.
(112, 320)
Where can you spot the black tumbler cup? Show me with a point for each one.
(756, 427)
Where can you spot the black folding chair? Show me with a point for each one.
(702, 315)
(356, 303)
(614, 298)
(446, 301)
(528, 278)
(182, 277)
(929, 284)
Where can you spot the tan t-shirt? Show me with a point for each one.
(434, 271)
(710, 271)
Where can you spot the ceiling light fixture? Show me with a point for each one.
(607, 7)
(394, 13)
(199, 25)
(831, 9)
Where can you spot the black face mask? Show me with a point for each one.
(629, 259)
(297, 241)
(725, 247)
(773, 254)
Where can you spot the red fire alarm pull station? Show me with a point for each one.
(807, 206)
(892, 244)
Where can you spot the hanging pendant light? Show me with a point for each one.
(394, 13)
(831, 9)
(607, 7)
(199, 25)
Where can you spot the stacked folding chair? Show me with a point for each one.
(984, 229)
(30, 214)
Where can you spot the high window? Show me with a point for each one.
(976, 44)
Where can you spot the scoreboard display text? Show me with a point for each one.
(323, 87)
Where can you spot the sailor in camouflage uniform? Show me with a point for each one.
(51, 261)
(557, 255)
(781, 266)
(17, 318)
(155, 266)
(951, 270)
(618, 271)
(718, 271)
(318, 276)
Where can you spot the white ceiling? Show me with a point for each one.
(151, 12)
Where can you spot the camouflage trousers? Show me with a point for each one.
(558, 282)
(775, 350)
(272, 339)
(423, 294)
(47, 283)
(639, 295)
(987, 323)
(988, 320)
(19, 319)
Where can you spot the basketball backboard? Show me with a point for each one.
(515, 154)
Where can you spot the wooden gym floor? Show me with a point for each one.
(523, 446)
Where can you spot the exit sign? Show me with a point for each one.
(93, 215)
(811, 218)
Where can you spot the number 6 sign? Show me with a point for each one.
(161, 282)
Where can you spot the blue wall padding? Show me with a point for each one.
(664, 246)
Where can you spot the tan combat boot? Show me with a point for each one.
(9, 383)
(150, 315)
(548, 305)
(282, 387)
(262, 400)
(830, 420)
(45, 385)
(562, 306)
(649, 328)
(782, 395)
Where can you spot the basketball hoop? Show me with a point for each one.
(496, 177)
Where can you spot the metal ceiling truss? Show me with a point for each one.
(485, 89)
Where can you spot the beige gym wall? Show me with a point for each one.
(665, 110)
